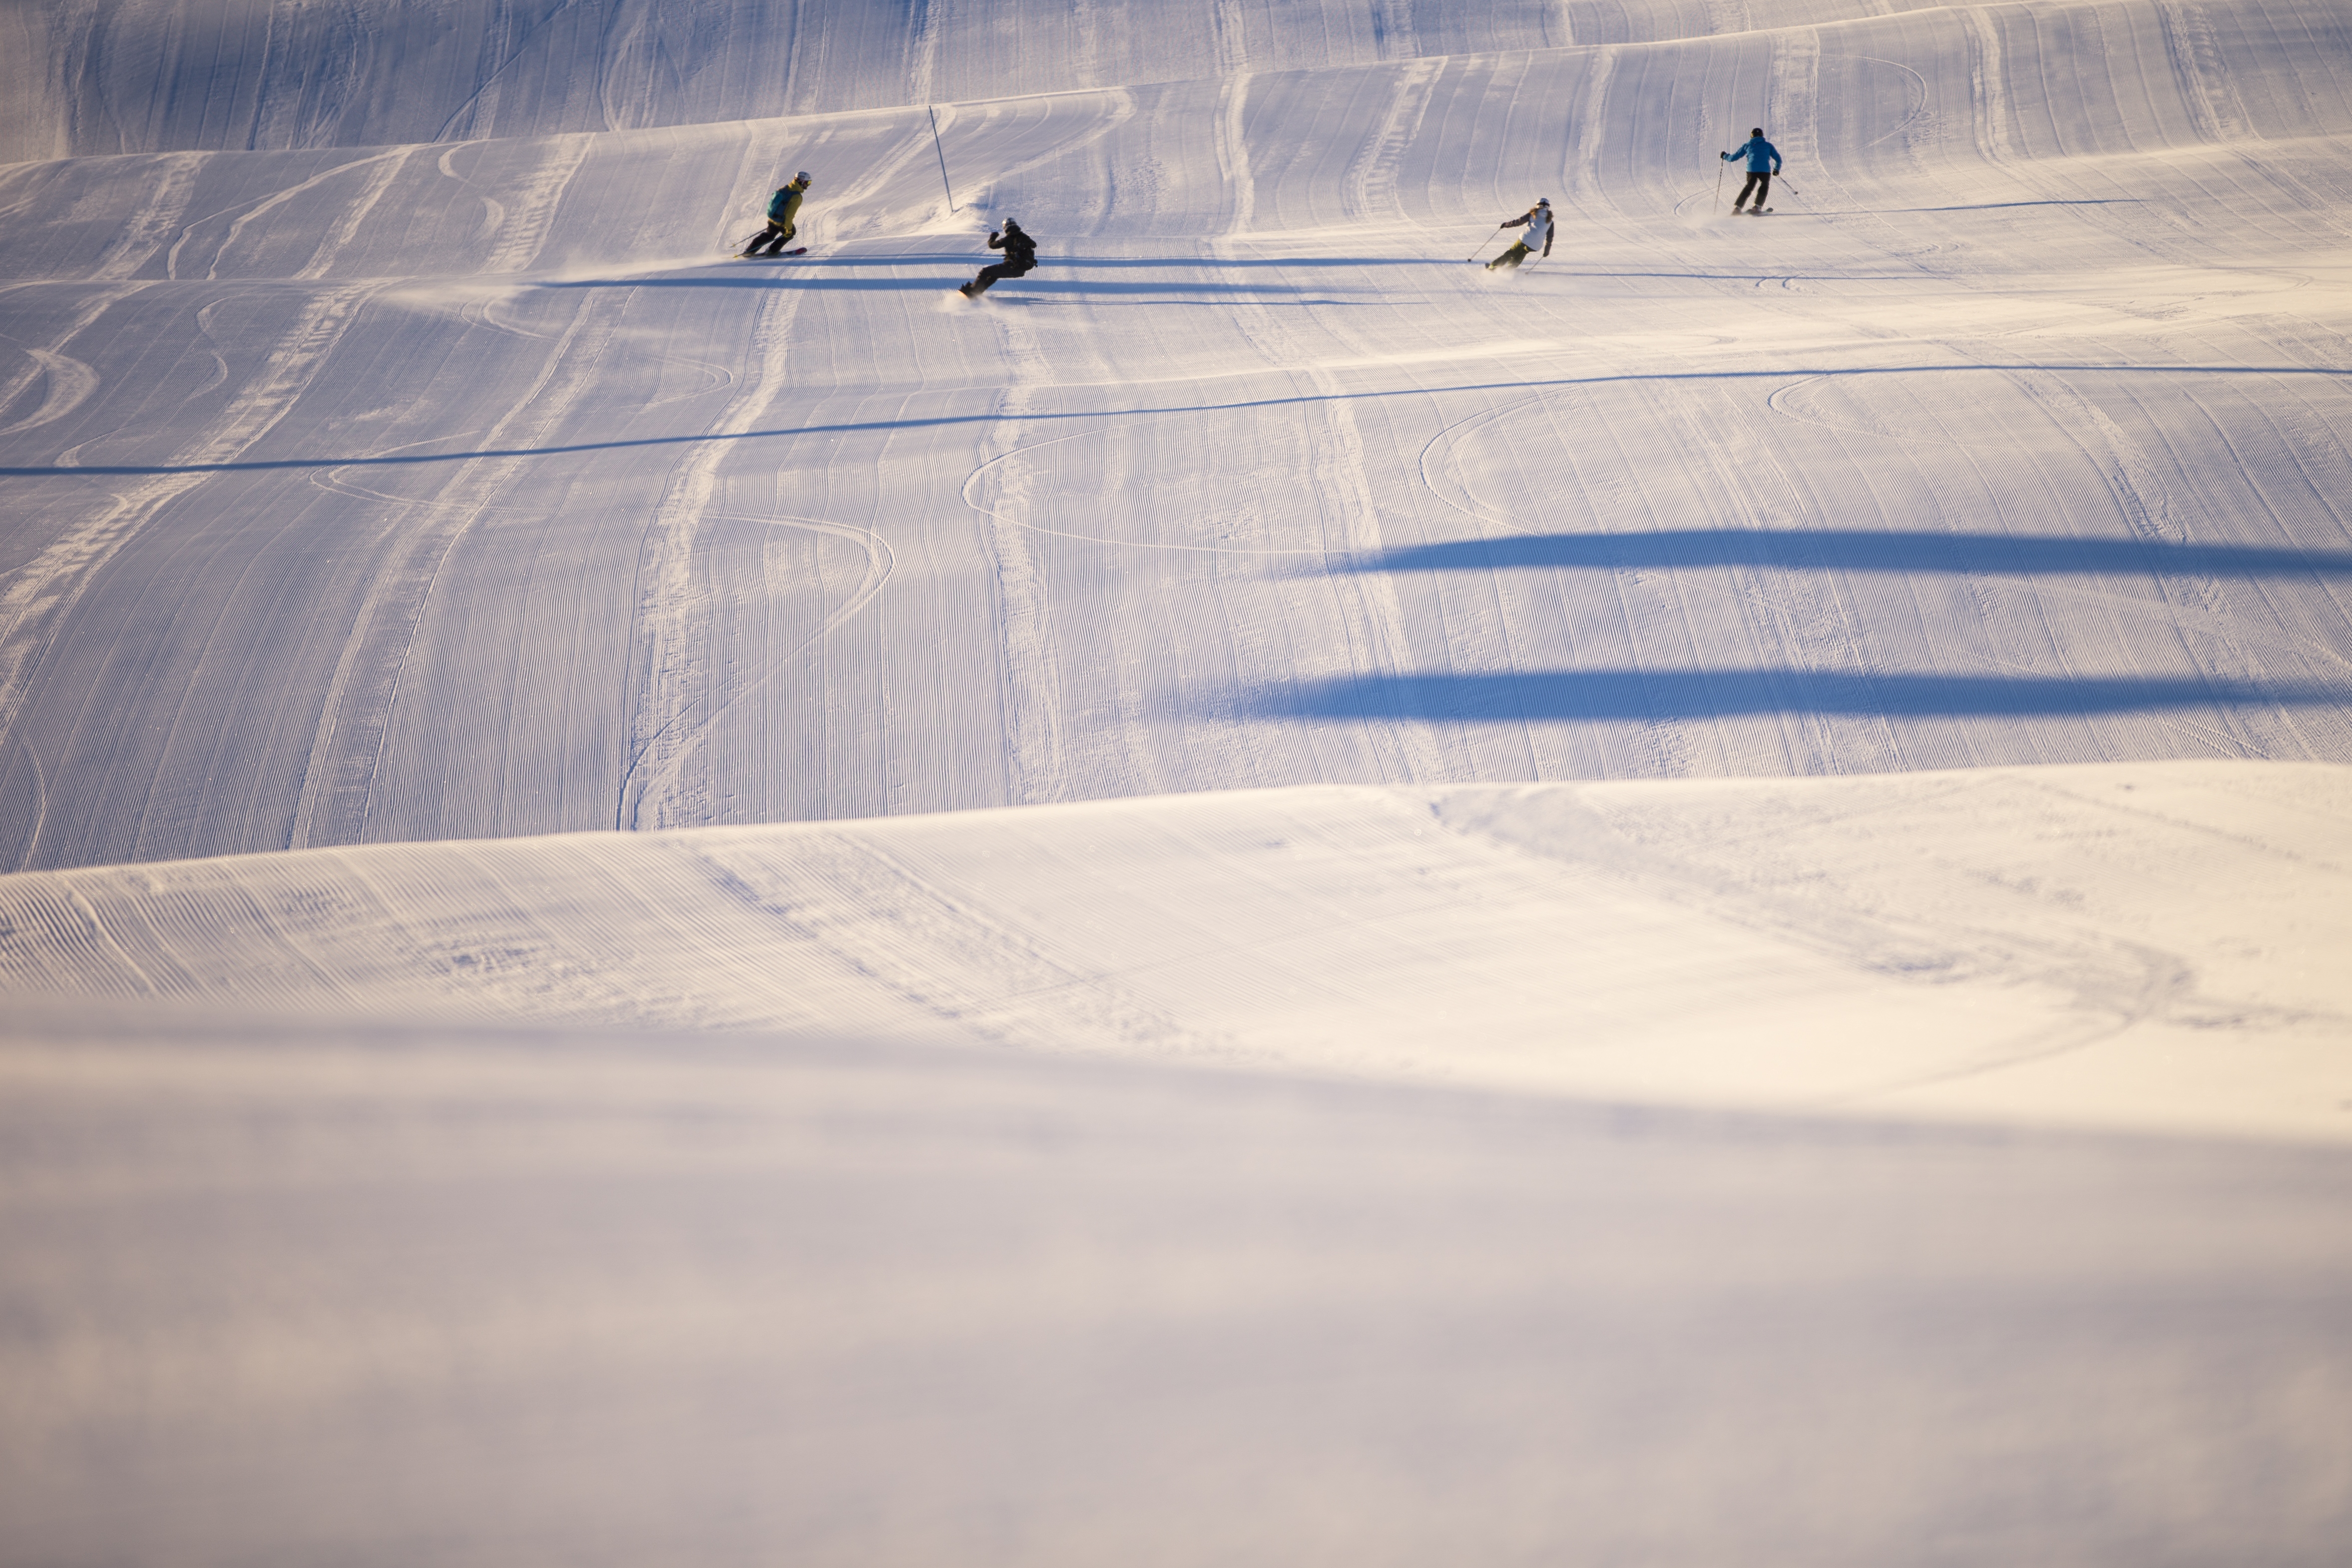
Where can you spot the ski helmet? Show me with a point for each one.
(1543, 201)
(1756, 130)
(804, 176)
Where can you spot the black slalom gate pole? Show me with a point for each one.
(943, 158)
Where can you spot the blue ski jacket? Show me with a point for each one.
(1763, 158)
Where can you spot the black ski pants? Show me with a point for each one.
(1761, 183)
(993, 274)
(774, 237)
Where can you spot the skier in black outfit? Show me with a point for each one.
(1020, 256)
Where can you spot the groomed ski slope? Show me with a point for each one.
(1686, 907)
(367, 494)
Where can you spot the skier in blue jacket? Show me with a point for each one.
(1763, 162)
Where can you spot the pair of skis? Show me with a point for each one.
(741, 249)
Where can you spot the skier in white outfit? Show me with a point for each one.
(1538, 221)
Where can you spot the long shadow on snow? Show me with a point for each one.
(1202, 263)
(1742, 277)
(1987, 207)
(1834, 550)
(998, 297)
(1222, 263)
(1032, 283)
(1225, 264)
(1786, 373)
(1640, 694)
(966, 258)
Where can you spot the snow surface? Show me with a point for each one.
(1686, 906)
(2149, 946)
(375, 1294)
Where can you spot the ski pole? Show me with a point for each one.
(1484, 244)
(943, 157)
(1718, 184)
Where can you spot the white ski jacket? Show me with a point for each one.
(1539, 222)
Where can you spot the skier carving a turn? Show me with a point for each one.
(1763, 162)
(783, 207)
(1538, 221)
(1020, 256)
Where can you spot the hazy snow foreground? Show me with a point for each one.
(1689, 906)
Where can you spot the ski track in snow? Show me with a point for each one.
(67, 384)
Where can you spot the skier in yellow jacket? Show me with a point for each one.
(782, 208)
